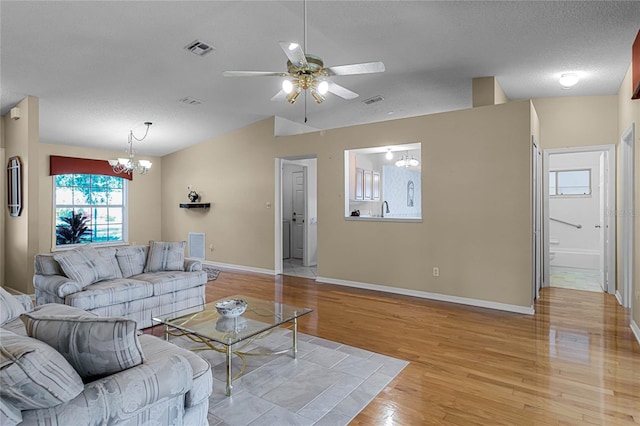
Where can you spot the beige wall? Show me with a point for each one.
(577, 121)
(22, 139)
(476, 203)
(235, 173)
(487, 91)
(629, 112)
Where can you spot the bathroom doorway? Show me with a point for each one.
(579, 195)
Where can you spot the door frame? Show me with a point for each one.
(305, 229)
(278, 172)
(537, 276)
(609, 250)
(627, 188)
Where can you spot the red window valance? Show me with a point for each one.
(69, 165)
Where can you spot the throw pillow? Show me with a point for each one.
(10, 415)
(33, 375)
(131, 259)
(165, 256)
(10, 307)
(87, 265)
(95, 346)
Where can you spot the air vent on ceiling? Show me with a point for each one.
(190, 101)
(198, 48)
(373, 100)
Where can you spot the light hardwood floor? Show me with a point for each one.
(574, 362)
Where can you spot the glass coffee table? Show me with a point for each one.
(205, 325)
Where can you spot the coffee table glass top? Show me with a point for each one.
(260, 316)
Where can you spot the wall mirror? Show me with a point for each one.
(384, 183)
(14, 186)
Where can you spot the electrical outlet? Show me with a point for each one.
(436, 271)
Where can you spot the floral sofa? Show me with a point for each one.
(60, 365)
(136, 282)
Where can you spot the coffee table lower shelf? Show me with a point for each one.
(171, 329)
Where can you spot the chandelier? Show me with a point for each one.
(129, 165)
(406, 161)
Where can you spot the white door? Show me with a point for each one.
(298, 215)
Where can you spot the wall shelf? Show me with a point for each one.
(195, 205)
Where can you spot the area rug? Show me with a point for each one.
(212, 273)
(327, 384)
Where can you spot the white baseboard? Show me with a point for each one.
(434, 296)
(239, 267)
(619, 298)
(636, 330)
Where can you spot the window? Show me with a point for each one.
(89, 209)
(569, 182)
(384, 182)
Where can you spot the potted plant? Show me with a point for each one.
(74, 228)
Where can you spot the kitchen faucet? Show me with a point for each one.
(388, 211)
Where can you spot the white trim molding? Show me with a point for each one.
(636, 330)
(619, 298)
(238, 267)
(433, 296)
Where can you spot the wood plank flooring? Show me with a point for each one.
(574, 362)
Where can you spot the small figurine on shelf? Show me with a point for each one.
(193, 195)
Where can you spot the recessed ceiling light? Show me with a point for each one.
(568, 80)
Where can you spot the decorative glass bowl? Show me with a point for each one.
(231, 308)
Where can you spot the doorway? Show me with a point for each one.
(579, 243)
(296, 221)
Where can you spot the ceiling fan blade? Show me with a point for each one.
(254, 74)
(280, 96)
(295, 53)
(364, 68)
(343, 92)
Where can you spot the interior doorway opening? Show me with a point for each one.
(579, 196)
(296, 222)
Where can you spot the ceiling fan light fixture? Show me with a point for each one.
(323, 87)
(287, 86)
(291, 97)
(317, 96)
(389, 155)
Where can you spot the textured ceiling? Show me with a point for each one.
(101, 68)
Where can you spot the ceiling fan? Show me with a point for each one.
(307, 72)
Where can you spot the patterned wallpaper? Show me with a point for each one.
(395, 182)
